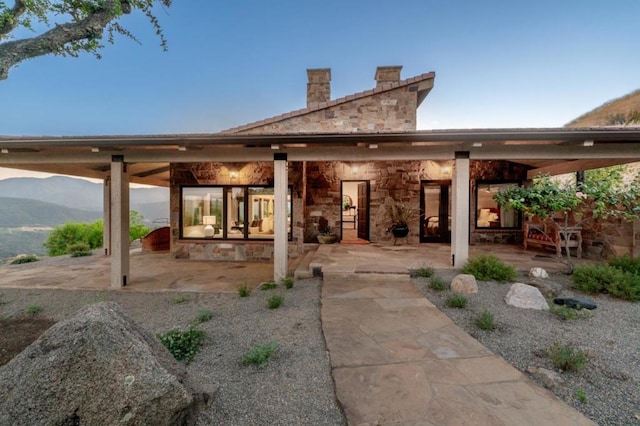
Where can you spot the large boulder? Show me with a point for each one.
(526, 296)
(98, 367)
(464, 284)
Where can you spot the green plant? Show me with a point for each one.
(600, 278)
(288, 282)
(33, 309)
(203, 315)
(179, 299)
(275, 301)
(626, 263)
(244, 291)
(183, 344)
(260, 355)
(25, 259)
(424, 272)
(269, 285)
(79, 249)
(566, 357)
(582, 396)
(566, 313)
(485, 321)
(456, 301)
(489, 267)
(400, 213)
(437, 283)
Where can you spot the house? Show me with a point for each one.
(259, 191)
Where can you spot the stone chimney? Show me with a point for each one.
(318, 86)
(388, 74)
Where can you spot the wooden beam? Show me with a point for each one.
(576, 166)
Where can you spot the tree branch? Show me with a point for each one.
(13, 20)
(55, 40)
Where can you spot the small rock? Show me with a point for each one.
(549, 378)
(464, 284)
(575, 302)
(538, 273)
(526, 296)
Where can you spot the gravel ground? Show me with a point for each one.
(294, 388)
(610, 381)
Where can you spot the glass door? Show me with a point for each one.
(435, 220)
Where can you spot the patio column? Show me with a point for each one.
(119, 222)
(106, 216)
(460, 211)
(281, 234)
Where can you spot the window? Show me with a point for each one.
(488, 214)
(230, 212)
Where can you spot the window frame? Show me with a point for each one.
(226, 189)
(490, 182)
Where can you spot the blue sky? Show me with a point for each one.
(498, 63)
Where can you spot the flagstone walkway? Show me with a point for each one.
(398, 360)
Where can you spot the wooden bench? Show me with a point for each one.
(547, 235)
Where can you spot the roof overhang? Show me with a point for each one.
(149, 156)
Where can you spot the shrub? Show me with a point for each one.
(626, 263)
(424, 272)
(260, 355)
(183, 344)
(79, 249)
(566, 313)
(456, 301)
(204, 315)
(269, 285)
(288, 282)
(485, 321)
(566, 357)
(25, 259)
(244, 291)
(179, 299)
(33, 309)
(607, 279)
(489, 267)
(437, 283)
(275, 301)
(582, 396)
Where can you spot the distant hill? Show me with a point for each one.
(616, 112)
(16, 212)
(81, 194)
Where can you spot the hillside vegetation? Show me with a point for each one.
(623, 111)
(16, 212)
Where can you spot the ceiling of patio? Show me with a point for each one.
(550, 150)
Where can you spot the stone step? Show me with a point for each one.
(369, 277)
(303, 269)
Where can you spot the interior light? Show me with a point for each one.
(275, 146)
(354, 169)
(373, 146)
(182, 148)
(588, 142)
(95, 149)
(446, 170)
(477, 144)
(234, 175)
(5, 151)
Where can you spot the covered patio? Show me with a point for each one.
(121, 160)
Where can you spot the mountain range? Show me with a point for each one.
(70, 193)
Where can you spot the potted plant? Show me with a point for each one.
(400, 214)
(325, 236)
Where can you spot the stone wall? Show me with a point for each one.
(389, 111)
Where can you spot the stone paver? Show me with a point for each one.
(398, 360)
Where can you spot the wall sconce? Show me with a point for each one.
(373, 146)
(355, 170)
(275, 146)
(446, 170)
(5, 151)
(234, 175)
(477, 145)
(588, 142)
(182, 148)
(95, 149)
